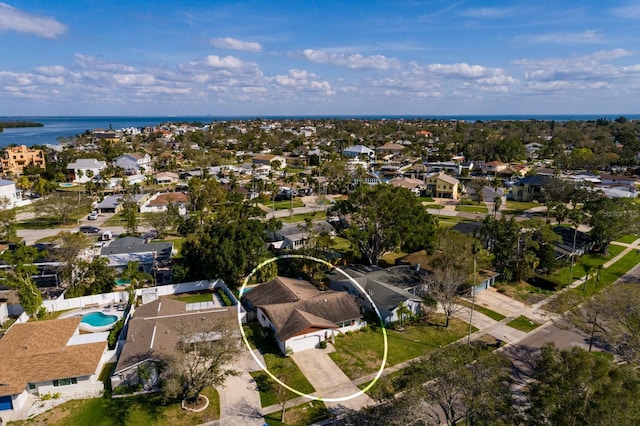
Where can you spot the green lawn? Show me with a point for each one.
(148, 410)
(304, 414)
(523, 323)
(593, 260)
(361, 353)
(44, 223)
(272, 358)
(194, 298)
(628, 239)
(472, 209)
(426, 199)
(177, 245)
(434, 206)
(575, 296)
(486, 311)
(285, 204)
(519, 207)
(319, 215)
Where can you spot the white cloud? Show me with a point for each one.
(235, 44)
(585, 37)
(352, 61)
(630, 12)
(13, 19)
(227, 62)
(53, 70)
(486, 12)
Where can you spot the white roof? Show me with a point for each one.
(87, 163)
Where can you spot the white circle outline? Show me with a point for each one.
(354, 282)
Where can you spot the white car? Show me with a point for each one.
(93, 215)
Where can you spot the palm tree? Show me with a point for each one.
(576, 217)
(476, 248)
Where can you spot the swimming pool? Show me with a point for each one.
(66, 184)
(98, 319)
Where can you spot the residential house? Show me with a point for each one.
(390, 148)
(358, 151)
(487, 195)
(494, 167)
(160, 202)
(113, 203)
(166, 178)
(154, 332)
(46, 357)
(565, 248)
(269, 160)
(441, 185)
(9, 196)
(451, 167)
(533, 149)
(528, 188)
(15, 158)
(607, 179)
(368, 178)
(134, 163)
(416, 186)
(294, 236)
(391, 289)
(153, 258)
(300, 315)
(84, 169)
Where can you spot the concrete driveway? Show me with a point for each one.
(328, 380)
(239, 398)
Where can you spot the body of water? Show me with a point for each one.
(64, 127)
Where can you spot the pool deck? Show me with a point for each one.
(115, 310)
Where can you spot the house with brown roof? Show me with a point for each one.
(300, 315)
(441, 185)
(166, 178)
(390, 148)
(46, 357)
(416, 186)
(269, 160)
(156, 329)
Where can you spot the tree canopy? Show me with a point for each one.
(384, 218)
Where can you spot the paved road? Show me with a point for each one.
(523, 354)
(30, 236)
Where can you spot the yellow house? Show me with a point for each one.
(15, 159)
(441, 185)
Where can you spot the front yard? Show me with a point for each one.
(149, 409)
(360, 353)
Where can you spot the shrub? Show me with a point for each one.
(114, 333)
(323, 344)
(56, 395)
(127, 389)
(45, 397)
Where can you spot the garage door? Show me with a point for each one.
(303, 343)
(5, 403)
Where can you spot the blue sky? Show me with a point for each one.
(88, 57)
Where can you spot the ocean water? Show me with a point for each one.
(63, 127)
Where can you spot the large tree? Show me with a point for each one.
(382, 218)
(228, 245)
(19, 277)
(449, 270)
(574, 387)
(201, 359)
(64, 206)
(610, 219)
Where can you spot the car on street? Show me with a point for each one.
(89, 229)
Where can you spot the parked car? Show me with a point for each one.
(93, 215)
(89, 229)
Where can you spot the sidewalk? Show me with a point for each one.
(579, 281)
